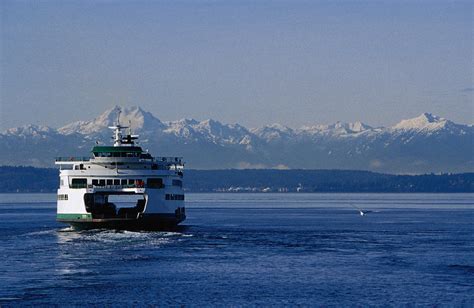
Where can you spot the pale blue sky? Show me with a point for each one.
(251, 62)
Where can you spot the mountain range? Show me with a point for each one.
(423, 144)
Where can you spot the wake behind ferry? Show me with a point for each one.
(121, 187)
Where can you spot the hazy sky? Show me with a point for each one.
(251, 62)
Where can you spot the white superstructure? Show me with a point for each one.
(121, 186)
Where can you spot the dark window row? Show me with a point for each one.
(62, 197)
(174, 197)
(150, 183)
(116, 182)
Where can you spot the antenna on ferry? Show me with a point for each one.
(118, 116)
(117, 128)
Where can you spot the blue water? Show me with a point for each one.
(248, 249)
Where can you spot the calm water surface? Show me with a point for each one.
(248, 249)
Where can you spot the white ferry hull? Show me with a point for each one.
(155, 212)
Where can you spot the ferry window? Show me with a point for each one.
(154, 183)
(131, 182)
(79, 183)
(124, 182)
(110, 182)
(174, 197)
(178, 183)
(116, 182)
(62, 197)
(101, 182)
(62, 182)
(95, 182)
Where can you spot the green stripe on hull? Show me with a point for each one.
(74, 217)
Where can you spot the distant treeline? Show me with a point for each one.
(324, 181)
(29, 179)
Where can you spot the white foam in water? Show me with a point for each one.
(72, 271)
(106, 236)
(134, 238)
(67, 229)
(171, 234)
(43, 232)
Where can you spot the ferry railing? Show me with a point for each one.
(162, 159)
(106, 186)
(127, 186)
(117, 186)
(72, 158)
(169, 160)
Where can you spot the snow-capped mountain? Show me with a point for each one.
(137, 117)
(431, 124)
(426, 143)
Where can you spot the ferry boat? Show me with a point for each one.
(121, 187)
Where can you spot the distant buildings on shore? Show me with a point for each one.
(237, 189)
